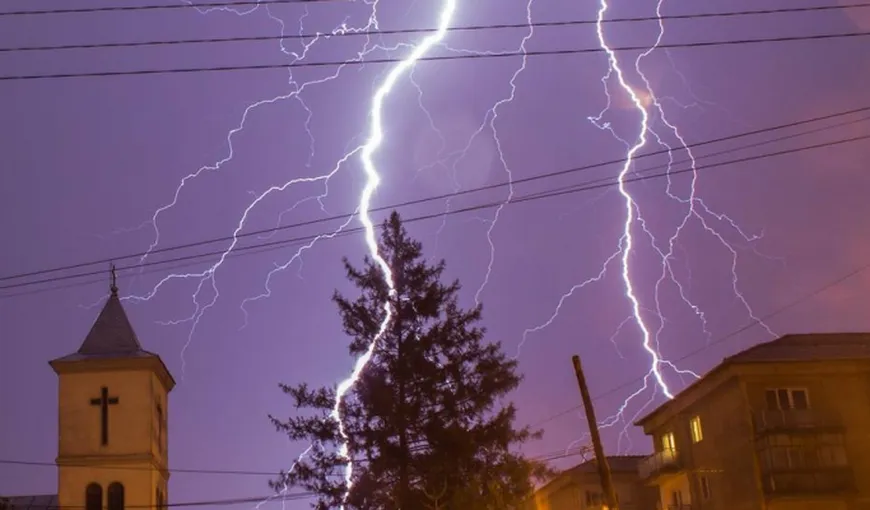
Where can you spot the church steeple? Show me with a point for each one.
(112, 334)
(112, 410)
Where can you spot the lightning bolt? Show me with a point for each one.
(376, 136)
(206, 293)
(283, 492)
(646, 103)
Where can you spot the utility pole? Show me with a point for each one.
(603, 467)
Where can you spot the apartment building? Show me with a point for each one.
(579, 488)
(784, 425)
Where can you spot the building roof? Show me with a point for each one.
(788, 348)
(111, 335)
(617, 463)
(112, 342)
(112, 332)
(40, 502)
(807, 347)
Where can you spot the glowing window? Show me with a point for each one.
(695, 426)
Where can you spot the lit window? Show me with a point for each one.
(695, 425)
(668, 442)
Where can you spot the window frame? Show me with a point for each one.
(790, 391)
(668, 446)
(696, 429)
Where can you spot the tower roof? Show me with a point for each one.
(112, 334)
(111, 342)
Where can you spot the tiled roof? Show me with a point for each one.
(41, 502)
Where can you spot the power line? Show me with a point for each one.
(564, 190)
(267, 3)
(442, 58)
(236, 501)
(215, 502)
(408, 31)
(164, 7)
(431, 198)
(543, 457)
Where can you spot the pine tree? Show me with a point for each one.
(425, 425)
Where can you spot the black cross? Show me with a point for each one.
(104, 402)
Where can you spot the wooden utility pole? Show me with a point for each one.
(603, 467)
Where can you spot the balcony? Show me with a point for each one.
(660, 463)
(791, 420)
(816, 482)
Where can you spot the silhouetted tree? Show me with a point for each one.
(424, 422)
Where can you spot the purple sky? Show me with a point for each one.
(87, 162)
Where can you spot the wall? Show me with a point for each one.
(725, 455)
(132, 457)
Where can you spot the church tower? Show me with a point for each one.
(113, 416)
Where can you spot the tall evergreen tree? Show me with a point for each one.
(424, 422)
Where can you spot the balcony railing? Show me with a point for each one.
(663, 461)
(822, 481)
(793, 419)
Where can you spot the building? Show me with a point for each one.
(579, 488)
(112, 422)
(780, 426)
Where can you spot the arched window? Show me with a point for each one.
(116, 496)
(94, 497)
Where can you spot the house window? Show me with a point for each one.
(116, 496)
(669, 444)
(786, 399)
(695, 425)
(705, 488)
(94, 497)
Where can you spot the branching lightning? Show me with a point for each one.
(366, 152)
(376, 136)
(646, 103)
(653, 127)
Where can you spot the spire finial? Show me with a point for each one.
(114, 287)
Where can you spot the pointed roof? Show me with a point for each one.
(111, 342)
(112, 334)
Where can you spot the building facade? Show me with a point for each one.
(784, 425)
(579, 488)
(112, 422)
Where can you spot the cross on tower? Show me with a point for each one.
(114, 286)
(104, 402)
